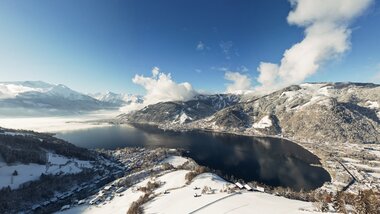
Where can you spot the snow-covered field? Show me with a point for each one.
(175, 161)
(175, 196)
(58, 124)
(219, 202)
(118, 205)
(265, 122)
(29, 172)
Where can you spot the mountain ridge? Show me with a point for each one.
(328, 112)
(39, 97)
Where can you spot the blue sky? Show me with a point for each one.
(93, 45)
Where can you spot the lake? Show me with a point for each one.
(273, 161)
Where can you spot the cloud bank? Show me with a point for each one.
(327, 35)
(160, 88)
(239, 83)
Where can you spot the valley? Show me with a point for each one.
(142, 141)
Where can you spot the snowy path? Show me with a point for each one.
(214, 202)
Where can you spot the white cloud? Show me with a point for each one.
(227, 48)
(200, 46)
(240, 83)
(155, 71)
(326, 36)
(267, 72)
(160, 88)
(242, 68)
(222, 69)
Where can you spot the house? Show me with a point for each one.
(247, 187)
(54, 199)
(45, 203)
(239, 185)
(260, 189)
(65, 207)
(107, 188)
(121, 189)
(95, 200)
(35, 207)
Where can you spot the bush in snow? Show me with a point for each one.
(167, 166)
(367, 201)
(150, 187)
(207, 190)
(136, 206)
(197, 171)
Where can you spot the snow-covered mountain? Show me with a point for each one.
(12, 89)
(37, 96)
(316, 112)
(180, 112)
(118, 99)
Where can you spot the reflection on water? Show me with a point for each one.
(272, 161)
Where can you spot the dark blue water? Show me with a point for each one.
(272, 161)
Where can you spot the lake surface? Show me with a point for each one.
(272, 161)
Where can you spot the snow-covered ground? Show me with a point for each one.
(265, 122)
(119, 204)
(361, 160)
(58, 124)
(372, 104)
(219, 202)
(183, 118)
(179, 198)
(29, 172)
(175, 161)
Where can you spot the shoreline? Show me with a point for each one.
(329, 154)
(321, 157)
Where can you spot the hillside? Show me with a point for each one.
(316, 112)
(37, 168)
(181, 112)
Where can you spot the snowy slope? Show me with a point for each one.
(265, 122)
(175, 161)
(14, 89)
(245, 202)
(31, 97)
(180, 198)
(181, 112)
(314, 112)
(28, 172)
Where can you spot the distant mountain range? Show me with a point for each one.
(317, 112)
(36, 97)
